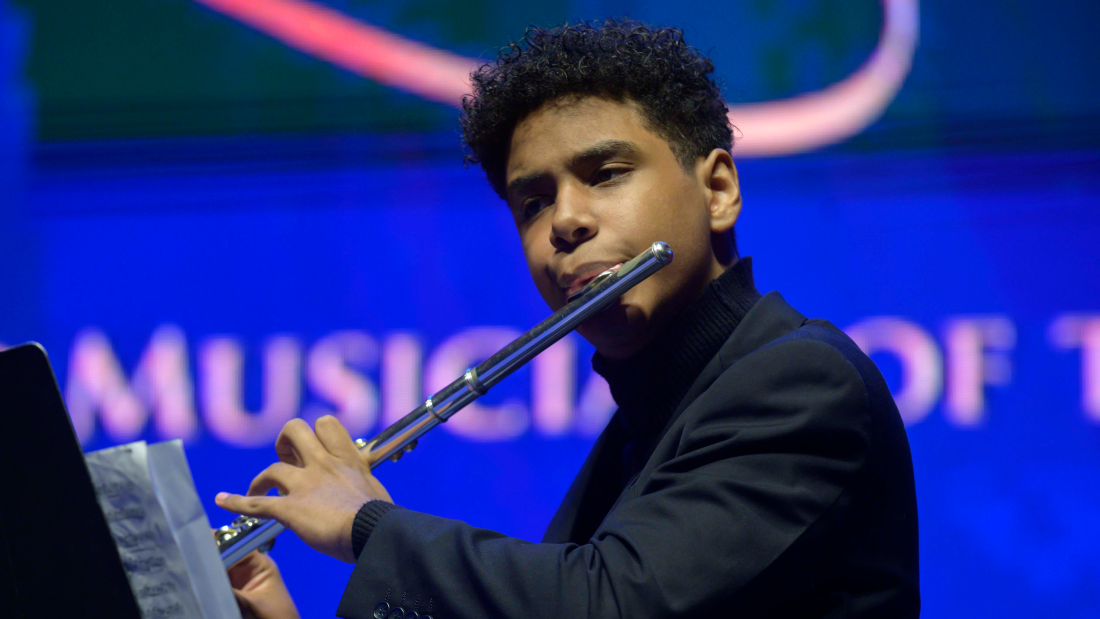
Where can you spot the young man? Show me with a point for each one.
(757, 465)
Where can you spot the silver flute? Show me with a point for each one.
(247, 533)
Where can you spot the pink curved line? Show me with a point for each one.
(839, 111)
(356, 46)
(770, 128)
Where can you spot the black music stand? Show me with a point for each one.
(57, 556)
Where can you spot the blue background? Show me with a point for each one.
(977, 194)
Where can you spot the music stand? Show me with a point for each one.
(57, 556)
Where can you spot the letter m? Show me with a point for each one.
(161, 384)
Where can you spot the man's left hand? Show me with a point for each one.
(323, 480)
(260, 590)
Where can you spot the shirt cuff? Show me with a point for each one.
(364, 523)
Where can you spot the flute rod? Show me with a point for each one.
(246, 533)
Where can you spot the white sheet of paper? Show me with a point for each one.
(175, 488)
(150, 555)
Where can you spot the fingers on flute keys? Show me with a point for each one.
(258, 506)
(280, 475)
(298, 445)
(335, 438)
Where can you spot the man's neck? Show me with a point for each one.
(648, 385)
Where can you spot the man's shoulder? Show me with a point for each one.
(775, 337)
(816, 342)
(785, 366)
(812, 372)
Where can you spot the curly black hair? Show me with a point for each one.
(621, 59)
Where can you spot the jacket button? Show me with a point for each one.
(412, 614)
(381, 610)
(396, 613)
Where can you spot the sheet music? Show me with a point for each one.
(176, 490)
(156, 567)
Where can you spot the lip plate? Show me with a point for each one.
(590, 275)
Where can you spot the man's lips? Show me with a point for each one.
(574, 282)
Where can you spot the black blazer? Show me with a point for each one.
(782, 487)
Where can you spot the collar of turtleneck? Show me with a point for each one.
(650, 384)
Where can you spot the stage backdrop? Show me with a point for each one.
(212, 233)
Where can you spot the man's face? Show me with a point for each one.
(590, 187)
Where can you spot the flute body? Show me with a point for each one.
(246, 533)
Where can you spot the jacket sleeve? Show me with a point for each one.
(762, 456)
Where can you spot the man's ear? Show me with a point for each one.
(721, 189)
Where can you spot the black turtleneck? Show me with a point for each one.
(649, 385)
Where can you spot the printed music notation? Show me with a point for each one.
(156, 612)
(126, 513)
(148, 551)
(144, 565)
(137, 540)
(149, 591)
(115, 488)
(165, 547)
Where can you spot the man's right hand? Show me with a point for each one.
(260, 590)
(323, 481)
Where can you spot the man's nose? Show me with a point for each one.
(574, 220)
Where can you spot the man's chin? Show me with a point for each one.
(616, 332)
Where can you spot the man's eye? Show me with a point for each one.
(609, 173)
(532, 206)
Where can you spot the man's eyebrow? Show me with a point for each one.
(603, 150)
(519, 185)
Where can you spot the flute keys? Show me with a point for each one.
(404, 450)
(225, 534)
